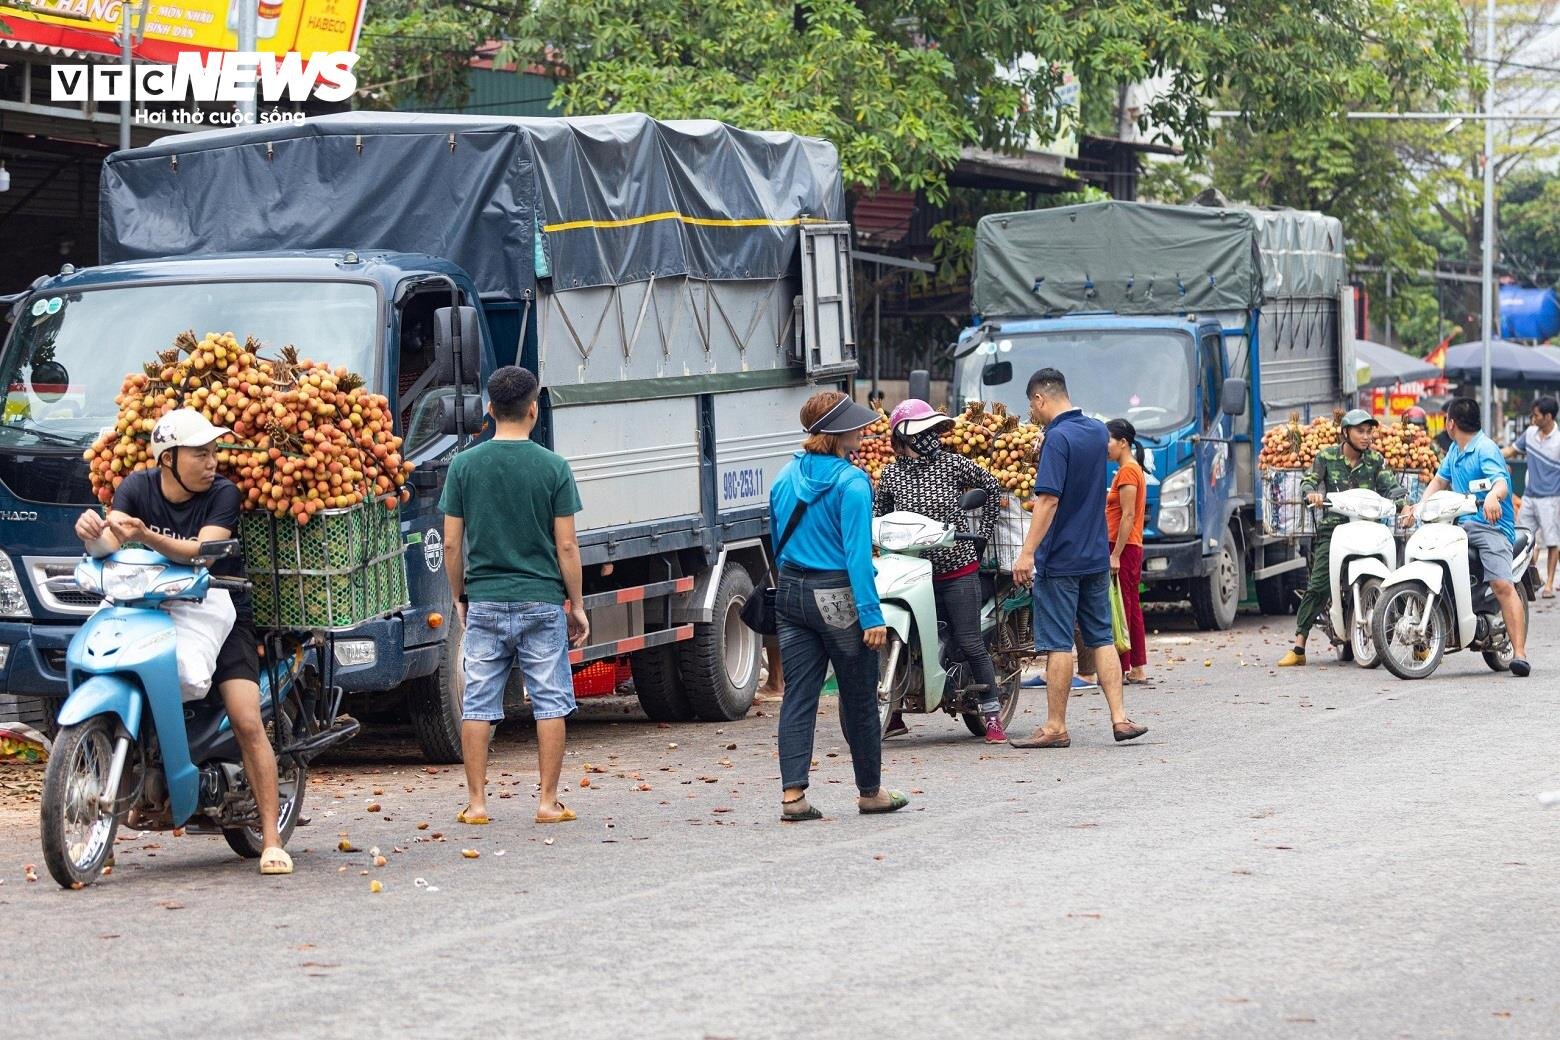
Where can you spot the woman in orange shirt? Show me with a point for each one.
(1124, 513)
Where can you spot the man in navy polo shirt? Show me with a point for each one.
(1067, 556)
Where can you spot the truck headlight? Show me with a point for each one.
(12, 602)
(1175, 501)
(5, 655)
(353, 652)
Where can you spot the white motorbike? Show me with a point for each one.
(1363, 554)
(921, 668)
(1438, 602)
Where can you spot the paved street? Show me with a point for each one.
(1321, 853)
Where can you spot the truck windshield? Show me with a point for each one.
(67, 355)
(1143, 376)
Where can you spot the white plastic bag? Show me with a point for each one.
(1007, 537)
(200, 630)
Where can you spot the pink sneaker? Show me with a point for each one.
(994, 733)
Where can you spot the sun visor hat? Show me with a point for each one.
(844, 417)
(914, 417)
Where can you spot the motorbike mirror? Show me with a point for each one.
(974, 498)
(997, 374)
(211, 552)
(921, 385)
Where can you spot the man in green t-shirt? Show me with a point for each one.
(514, 567)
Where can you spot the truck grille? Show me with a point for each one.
(60, 601)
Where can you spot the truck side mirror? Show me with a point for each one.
(921, 385)
(469, 421)
(997, 374)
(444, 345)
(1232, 401)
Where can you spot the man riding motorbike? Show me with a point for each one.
(926, 479)
(1473, 460)
(1351, 463)
(171, 509)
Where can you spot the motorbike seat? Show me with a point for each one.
(1524, 540)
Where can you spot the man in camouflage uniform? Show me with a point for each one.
(1348, 464)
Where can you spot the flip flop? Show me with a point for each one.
(473, 820)
(897, 800)
(563, 817)
(1547, 594)
(275, 860)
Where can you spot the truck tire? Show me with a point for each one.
(433, 702)
(1216, 598)
(720, 664)
(1275, 595)
(659, 686)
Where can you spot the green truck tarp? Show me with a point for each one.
(1139, 258)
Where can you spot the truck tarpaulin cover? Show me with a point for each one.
(1137, 258)
(601, 200)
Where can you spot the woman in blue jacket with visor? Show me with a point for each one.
(826, 602)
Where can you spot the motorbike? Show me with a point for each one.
(1438, 602)
(129, 748)
(921, 668)
(1363, 555)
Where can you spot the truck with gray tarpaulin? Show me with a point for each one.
(1198, 324)
(680, 288)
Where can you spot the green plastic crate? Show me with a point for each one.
(344, 567)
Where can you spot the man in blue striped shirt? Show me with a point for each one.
(1540, 443)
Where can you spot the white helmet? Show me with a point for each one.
(185, 428)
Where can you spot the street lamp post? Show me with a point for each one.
(1486, 388)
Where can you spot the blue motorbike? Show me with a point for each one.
(129, 747)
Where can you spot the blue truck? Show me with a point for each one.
(679, 288)
(1199, 324)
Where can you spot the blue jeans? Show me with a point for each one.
(1067, 600)
(819, 627)
(498, 635)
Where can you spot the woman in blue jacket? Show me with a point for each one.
(827, 603)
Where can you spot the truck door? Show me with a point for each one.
(419, 388)
(1215, 464)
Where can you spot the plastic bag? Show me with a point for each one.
(200, 630)
(1007, 536)
(1118, 618)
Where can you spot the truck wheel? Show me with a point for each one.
(658, 685)
(719, 665)
(434, 703)
(1275, 595)
(1216, 597)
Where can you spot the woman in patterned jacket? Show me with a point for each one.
(924, 478)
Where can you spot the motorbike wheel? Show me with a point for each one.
(78, 837)
(291, 781)
(891, 688)
(1404, 656)
(1365, 653)
(1500, 660)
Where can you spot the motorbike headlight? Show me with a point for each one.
(1175, 502)
(86, 576)
(123, 582)
(12, 602)
(895, 537)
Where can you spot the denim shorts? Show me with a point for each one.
(501, 635)
(1067, 600)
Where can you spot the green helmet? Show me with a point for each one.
(1359, 417)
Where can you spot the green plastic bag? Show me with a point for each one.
(1118, 618)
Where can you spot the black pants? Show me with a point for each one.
(819, 627)
(958, 605)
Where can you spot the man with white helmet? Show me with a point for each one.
(171, 509)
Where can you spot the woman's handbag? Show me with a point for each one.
(759, 613)
(1118, 618)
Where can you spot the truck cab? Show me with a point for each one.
(74, 337)
(1170, 378)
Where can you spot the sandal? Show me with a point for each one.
(274, 860)
(897, 800)
(563, 817)
(473, 819)
(811, 812)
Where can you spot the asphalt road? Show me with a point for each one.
(1324, 852)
